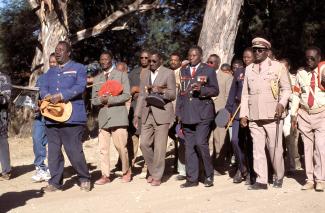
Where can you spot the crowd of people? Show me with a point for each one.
(213, 112)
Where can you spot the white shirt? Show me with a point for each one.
(153, 75)
(196, 67)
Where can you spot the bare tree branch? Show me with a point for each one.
(104, 24)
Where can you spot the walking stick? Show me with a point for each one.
(233, 117)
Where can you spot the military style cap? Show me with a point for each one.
(261, 43)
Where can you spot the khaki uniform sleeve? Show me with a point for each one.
(285, 86)
(244, 111)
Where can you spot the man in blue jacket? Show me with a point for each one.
(63, 83)
(195, 110)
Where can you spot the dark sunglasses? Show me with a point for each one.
(210, 62)
(143, 57)
(310, 58)
(153, 61)
(259, 50)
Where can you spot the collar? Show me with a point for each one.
(156, 71)
(63, 65)
(196, 66)
(109, 70)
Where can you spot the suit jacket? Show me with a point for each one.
(224, 83)
(165, 77)
(115, 114)
(70, 81)
(234, 97)
(193, 108)
(257, 102)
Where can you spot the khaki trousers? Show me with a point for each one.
(264, 133)
(153, 146)
(312, 128)
(119, 137)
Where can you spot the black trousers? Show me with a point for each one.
(196, 145)
(70, 137)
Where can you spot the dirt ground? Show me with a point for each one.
(21, 195)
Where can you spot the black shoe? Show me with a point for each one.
(277, 183)
(180, 177)
(238, 177)
(257, 186)
(248, 179)
(188, 184)
(208, 182)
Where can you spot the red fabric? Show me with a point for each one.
(193, 72)
(312, 92)
(111, 88)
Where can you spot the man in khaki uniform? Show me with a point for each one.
(261, 105)
(311, 117)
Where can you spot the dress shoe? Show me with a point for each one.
(248, 179)
(188, 184)
(180, 177)
(5, 176)
(208, 182)
(308, 185)
(50, 188)
(85, 186)
(127, 177)
(320, 186)
(238, 178)
(103, 180)
(277, 183)
(149, 179)
(257, 186)
(155, 182)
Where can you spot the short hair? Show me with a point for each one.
(107, 52)
(198, 48)
(237, 61)
(317, 49)
(145, 51)
(248, 49)
(120, 63)
(66, 44)
(217, 57)
(52, 55)
(225, 67)
(155, 52)
(176, 54)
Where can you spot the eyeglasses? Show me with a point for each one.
(153, 61)
(210, 62)
(310, 58)
(259, 50)
(143, 57)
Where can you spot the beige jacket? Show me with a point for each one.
(258, 102)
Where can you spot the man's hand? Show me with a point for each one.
(135, 122)
(196, 87)
(135, 89)
(294, 122)
(56, 98)
(243, 122)
(103, 99)
(157, 89)
(279, 110)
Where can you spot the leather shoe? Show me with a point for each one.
(85, 186)
(308, 185)
(248, 179)
(180, 177)
(257, 186)
(155, 182)
(208, 182)
(49, 188)
(149, 179)
(238, 177)
(103, 180)
(277, 183)
(188, 184)
(320, 186)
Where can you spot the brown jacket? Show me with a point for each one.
(258, 102)
(165, 77)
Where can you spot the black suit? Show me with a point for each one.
(195, 109)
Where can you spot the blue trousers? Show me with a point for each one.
(39, 143)
(70, 137)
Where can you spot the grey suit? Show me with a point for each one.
(155, 121)
(113, 120)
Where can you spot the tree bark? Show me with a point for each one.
(219, 29)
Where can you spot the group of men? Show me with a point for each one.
(189, 96)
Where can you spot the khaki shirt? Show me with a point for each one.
(224, 83)
(258, 102)
(301, 93)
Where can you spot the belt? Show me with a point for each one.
(312, 111)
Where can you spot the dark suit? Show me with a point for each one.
(195, 109)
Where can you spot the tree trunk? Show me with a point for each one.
(53, 29)
(219, 28)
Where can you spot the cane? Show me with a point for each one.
(233, 117)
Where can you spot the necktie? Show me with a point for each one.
(312, 91)
(193, 72)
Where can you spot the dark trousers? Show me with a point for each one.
(196, 145)
(70, 137)
(243, 148)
